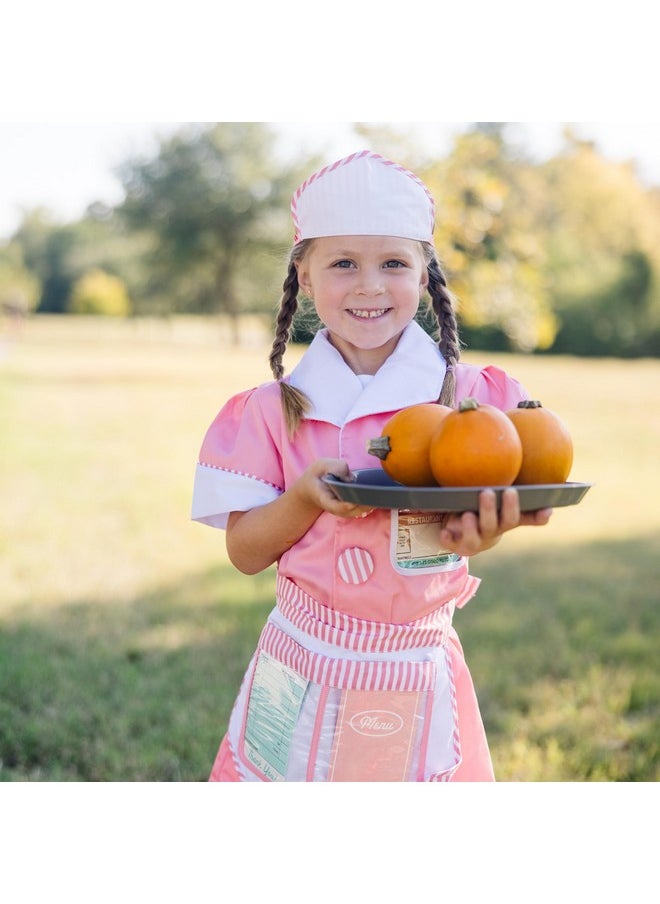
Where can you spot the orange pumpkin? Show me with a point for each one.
(403, 446)
(546, 442)
(475, 445)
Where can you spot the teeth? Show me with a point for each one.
(369, 314)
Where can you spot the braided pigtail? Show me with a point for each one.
(443, 308)
(294, 402)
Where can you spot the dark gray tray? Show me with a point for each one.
(373, 487)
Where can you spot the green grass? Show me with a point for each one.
(124, 631)
(564, 657)
(136, 691)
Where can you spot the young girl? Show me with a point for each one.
(358, 674)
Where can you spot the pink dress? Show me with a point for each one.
(358, 674)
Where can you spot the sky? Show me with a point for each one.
(65, 166)
(62, 64)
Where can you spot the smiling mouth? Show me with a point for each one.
(364, 314)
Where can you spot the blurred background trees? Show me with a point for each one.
(559, 256)
(212, 208)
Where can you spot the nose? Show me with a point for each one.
(370, 284)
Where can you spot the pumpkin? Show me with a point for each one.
(546, 443)
(475, 445)
(403, 446)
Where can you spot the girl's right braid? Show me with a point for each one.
(294, 402)
(443, 307)
(288, 307)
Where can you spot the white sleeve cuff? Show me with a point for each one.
(216, 493)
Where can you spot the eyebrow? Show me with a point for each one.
(387, 253)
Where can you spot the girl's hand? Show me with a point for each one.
(312, 490)
(469, 533)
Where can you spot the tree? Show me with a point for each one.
(98, 292)
(213, 197)
(485, 194)
(58, 254)
(602, 235)
(46, 248)
(19, 288)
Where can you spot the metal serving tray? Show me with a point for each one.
(373, 487)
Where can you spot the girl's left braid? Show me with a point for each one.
(443, 306)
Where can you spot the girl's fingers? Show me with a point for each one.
(537, 518)
(471, 533)
(510, 512)
(489, 524)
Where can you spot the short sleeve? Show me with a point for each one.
(239, 464)
(490, 385)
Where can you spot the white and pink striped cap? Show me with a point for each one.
(363, 194)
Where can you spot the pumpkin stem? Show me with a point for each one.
(380, 447)
(530, 403)
(468, 404)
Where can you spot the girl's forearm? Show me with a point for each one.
(257, 538)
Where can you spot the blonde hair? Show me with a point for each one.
(294, 402)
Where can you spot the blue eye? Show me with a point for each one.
(343, 264)
(394, 264)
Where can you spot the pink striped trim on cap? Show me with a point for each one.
(363, 194)
(358, 634)
(354, 674)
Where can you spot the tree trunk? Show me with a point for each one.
(226, 294)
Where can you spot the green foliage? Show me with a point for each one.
(19, 287)
(618, 316)
(47, 249)
(603, 255)
(59, 255)
(98, 292)
(217, 202)
(487, 240)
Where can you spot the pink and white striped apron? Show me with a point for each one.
(331, 697)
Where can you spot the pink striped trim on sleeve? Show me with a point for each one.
(208, 464)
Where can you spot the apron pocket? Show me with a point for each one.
(313, 717)
(272, 713)
(379, 736)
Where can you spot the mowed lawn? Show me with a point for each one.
(124, 631)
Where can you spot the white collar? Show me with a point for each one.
(413, 373)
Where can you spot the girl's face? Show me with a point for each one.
(366, 290)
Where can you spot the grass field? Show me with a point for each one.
(124, 631)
